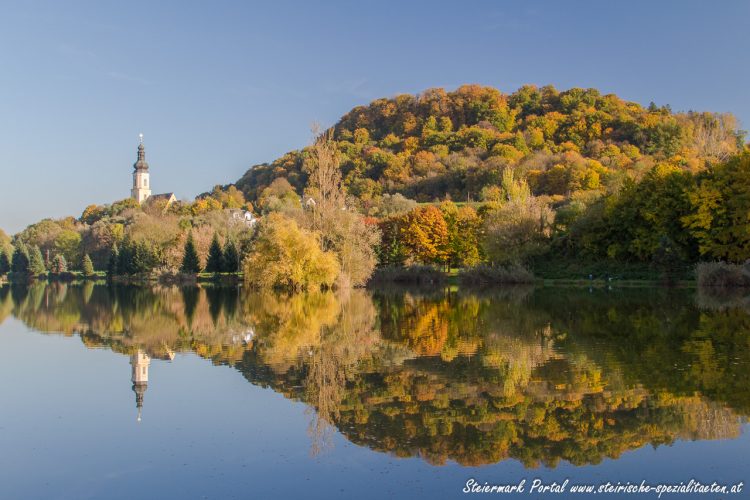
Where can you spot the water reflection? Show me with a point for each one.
(538, 375)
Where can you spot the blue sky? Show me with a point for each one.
(218, 86)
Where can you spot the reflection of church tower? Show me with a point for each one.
(140, 362)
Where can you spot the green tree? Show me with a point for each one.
(20, 260)
(68, 243)
(4, 262)
(215, 261)
(87, 266)
(720, 203)
(145, 258)
(190, 261)
(113, 261)
(125, 261)
(463, 234)
(231, 260)
(36, 262)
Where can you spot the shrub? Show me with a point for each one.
(484, 275)
(722, 275)
(410, 275)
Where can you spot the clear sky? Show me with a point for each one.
(218, 86)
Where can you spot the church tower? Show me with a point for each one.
(140, 361)
(141, 183)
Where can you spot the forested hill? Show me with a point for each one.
(439, 144)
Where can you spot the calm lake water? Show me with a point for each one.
(222, 393)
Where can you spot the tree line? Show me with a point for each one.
(459, 179)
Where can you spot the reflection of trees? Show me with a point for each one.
(537, 375)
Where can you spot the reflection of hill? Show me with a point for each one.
(540, 376)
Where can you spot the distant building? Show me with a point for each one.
(141, 190)
(243, 215)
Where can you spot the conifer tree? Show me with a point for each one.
(125, 264)
(231, 263)
(112, 264)
(59, 265)
(145, 258)
(215, 262)
(190, 261)
(20, 261)
(36, 262)
(4, 262)
(87, 266)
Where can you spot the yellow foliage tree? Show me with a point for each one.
(286, 256)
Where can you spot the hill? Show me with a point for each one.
(455, 145)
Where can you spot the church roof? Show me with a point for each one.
(162, 196)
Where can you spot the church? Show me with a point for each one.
(141, 191)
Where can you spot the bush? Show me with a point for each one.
(722, 275)
(484, 275)
(410, 275)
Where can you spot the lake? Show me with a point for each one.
(126, 392)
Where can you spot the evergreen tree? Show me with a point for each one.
(87, 266)
(126, 257)
(4, 262)
(145, 258)
(36, 262)
(112, 264)
(215, 262)
(59, 265)
(231, 262)
(190, 261)
(20, 261)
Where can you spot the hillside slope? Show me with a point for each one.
(439, 144)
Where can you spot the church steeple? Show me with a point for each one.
(141, 164)
(141, 188)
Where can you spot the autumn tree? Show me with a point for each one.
(58, 265)
(719, 205)
(279, 196)
(464, 227)
(424, 234)
(342, 230)
(520, 227)
(287, 256)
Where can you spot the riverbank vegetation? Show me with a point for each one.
(569, 185)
